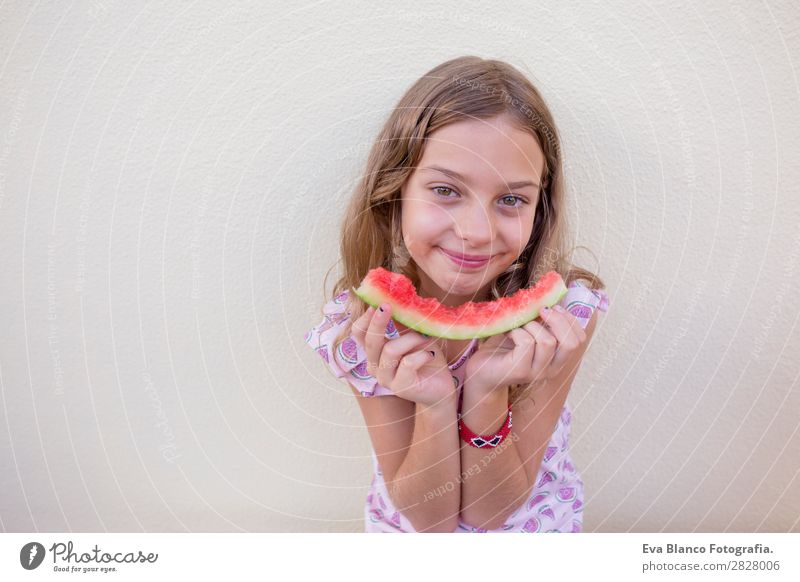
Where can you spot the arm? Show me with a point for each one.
(496, 482)
(500, 479)
(426, 486)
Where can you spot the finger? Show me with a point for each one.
(408, 368)
(578, 325)
(521, 357)
(394, 329)
(384, 355)
(359, 328)
(375, 337)
(395, 350)
(563, 326)
(546, 346)
(498, 343)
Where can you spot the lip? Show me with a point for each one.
(463, 262)
(463, 257)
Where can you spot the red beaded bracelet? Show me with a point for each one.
(481, 441)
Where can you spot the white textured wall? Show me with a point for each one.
(172, 176)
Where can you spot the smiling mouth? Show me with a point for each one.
(465, 263)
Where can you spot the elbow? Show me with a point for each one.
(478, 518)
(429, 516)
(444, 526)
(435, 518)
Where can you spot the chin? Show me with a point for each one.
(467, 285)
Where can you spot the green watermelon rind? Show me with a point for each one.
(421, 323)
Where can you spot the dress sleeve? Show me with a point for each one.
(581, 301)
(348, 360)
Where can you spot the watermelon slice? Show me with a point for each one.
(467, 321)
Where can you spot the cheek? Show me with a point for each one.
(424, 225)
(522, 235)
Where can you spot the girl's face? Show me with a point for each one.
(474, 194)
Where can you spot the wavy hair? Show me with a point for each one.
(467, 87)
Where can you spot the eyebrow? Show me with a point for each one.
(462, 178)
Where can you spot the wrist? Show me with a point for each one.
(444, 408)
(486, 396)
(480, 387)
(485, 413)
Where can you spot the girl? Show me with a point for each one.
(463, 193)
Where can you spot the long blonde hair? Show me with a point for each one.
(467, 87)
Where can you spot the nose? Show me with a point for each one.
(476, 225)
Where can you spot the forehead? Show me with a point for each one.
(487, 149)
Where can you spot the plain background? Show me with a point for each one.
(172, 179)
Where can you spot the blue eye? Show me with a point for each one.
(514, 197)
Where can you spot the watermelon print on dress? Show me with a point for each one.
(555, 503)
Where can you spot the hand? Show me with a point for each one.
(533, 353)
(404, 365)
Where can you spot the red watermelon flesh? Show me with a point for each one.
(470, 320)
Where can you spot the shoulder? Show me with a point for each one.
(339, 305)
(342, 354)
(334, 319)
(584, 302)
(584, 284)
